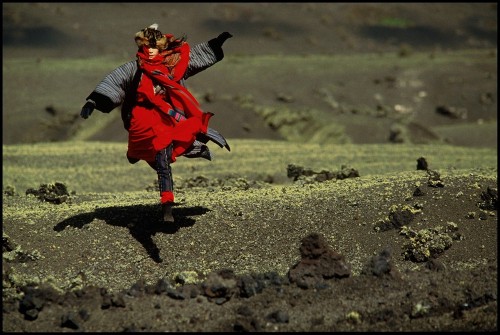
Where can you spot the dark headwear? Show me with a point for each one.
(151, 37)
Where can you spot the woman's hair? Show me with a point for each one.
(151, 37)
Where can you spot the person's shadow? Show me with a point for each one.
(143, 222)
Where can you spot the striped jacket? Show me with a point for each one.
(120, 85)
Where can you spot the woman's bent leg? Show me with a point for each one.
(165, 182)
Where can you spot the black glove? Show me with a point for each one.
(87, 109)
(216, 44)
(223, 37)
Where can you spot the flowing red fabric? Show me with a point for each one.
(151, 127)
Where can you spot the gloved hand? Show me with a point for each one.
(223, 37)
(87, 109)
(216, 44)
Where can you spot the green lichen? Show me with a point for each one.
(187, 277)
(425, 244)
(354, 317)
(420, 309)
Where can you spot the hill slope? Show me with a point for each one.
(241, 212)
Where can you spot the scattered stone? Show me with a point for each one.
(285, 97)
(186, 277)
(162, 286)
(188, 291)
(483, 216)
(422, 164)
(84, 314)
(426, 244)
(10, 191)
(418, 192)
(308, 176)
(7, 244)
(253, 284)
(452, 112)
(278, 317)
(176, 295)
(137, 289)
(51, 110)
(246, 321)
(69, 321)
(225, 183)
(220, 286)
(471, 215)
(319, 263)
(486, 98)
(489, 199)
(382, 265)
(118, 300)
(35, 299)
(347, 172)
(403, 217)
(106, 299)
(434, 179)
(56, 193)
(249, 286)
(435, 265)
(397, 218)
(30, 305)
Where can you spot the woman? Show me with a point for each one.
(163, 119)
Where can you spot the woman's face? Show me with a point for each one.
(153, 52)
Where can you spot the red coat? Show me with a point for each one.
(152, 128)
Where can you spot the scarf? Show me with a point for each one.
(167, 69)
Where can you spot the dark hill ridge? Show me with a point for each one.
(398, 100)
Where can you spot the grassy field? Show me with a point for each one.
(109, 193)
(102, 166)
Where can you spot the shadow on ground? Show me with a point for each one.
(143, 222)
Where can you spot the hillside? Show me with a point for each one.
(359, 73)
(75, 221)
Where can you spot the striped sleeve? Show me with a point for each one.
(117, 83)
(202, 56)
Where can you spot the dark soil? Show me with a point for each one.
(318, 295)
(431, 266)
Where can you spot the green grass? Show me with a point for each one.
(395, 22)
(249, 230)
(102, 167)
